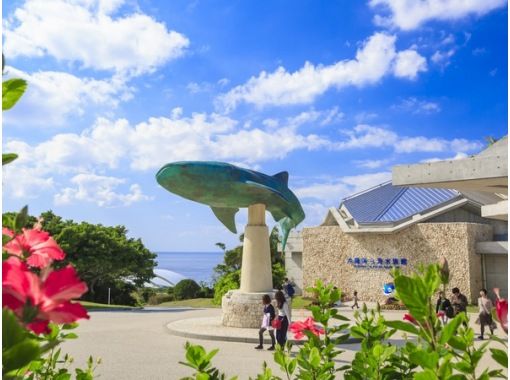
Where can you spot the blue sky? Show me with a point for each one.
(334, 92)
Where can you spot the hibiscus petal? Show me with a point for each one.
(19, 282)
(39, 327)
(49, 248)
(66, 312)
(38, 260)
(64, 285)
(34, 237)
(8, 232)
(15, 246)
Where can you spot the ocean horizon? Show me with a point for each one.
(197, 266)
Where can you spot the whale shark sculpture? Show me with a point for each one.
(226, 188)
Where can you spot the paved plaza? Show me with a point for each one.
(139, 345)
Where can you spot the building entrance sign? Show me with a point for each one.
(378, 263)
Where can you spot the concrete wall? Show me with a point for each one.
(470, 216)
(293, 260)
(326, 250)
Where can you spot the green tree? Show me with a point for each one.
(228, 273)
(186, 289)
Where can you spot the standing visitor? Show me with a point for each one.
(355, 299)
(288, 288)
(485, 316)
(283, 320)
(444, 308)
(267, 319)
(459, 302)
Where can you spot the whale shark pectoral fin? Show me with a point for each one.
(266, 188)
(283, 177)
(227, 217)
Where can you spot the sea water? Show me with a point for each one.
(197, 266)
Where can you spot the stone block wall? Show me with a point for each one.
(326, 250)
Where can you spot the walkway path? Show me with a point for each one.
(137, 345)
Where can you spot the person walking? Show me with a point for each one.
(267, 319)
(459, 303)
(283, 319)
(444, 308)
(355, 299)
(485, 316)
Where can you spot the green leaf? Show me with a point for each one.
(403, 326)
(315, 357)
(20, 355)
(12, 90)
(70, 336)
(451, 328)
(12, 332)
(424, 359)
(457, 343)
(7, 158)
(500, 356)
(425, 375)
(21, 219)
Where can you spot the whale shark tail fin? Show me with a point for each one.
(286, 224)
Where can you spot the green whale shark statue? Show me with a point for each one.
(226, 188)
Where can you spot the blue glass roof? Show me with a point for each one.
(387, 203)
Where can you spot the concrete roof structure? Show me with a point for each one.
(484, 172)
(388, 209)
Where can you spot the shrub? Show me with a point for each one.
(186, 289)
(159, 298)
(228, 282)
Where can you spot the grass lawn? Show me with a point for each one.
(94, 306)
(299, 302)
(195, 302)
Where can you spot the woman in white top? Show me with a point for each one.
(283, 317)
(485, 316)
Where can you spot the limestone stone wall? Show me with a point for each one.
(327, 249)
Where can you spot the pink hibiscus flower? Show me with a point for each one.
(298, 328)
(38, 245)
(409, 318)
(37, 302)
(501, 310)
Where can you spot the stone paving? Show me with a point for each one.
(138, 344)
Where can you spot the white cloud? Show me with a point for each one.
(449, 39)
(223, 82)
(100, 190)
(53, 96)
(364, 117)
(410, 14)
(458, 156)
(417, 106)
(92, 33)
(423, 144)
(408, 64)
(373, 61)
(332, 192)
(371, 164)
(442, 58)
(364, 136)
(195, 88)
(333, 116)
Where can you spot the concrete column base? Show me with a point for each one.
(243, 309)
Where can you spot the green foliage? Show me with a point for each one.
(186, 289)
(12, 90)
(436, 351)
(227, 273)
(7, 158)
(32, 357)
(229, 281)
(104, 257)
(200, 360)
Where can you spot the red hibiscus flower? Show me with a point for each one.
(38, 245)
(298, 328)
(37, 302)
(502, 310)
(8, 232)
(409, 318)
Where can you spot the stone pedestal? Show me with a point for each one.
(243, 307)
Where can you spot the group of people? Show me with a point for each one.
(447, 309)
(276, 320)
